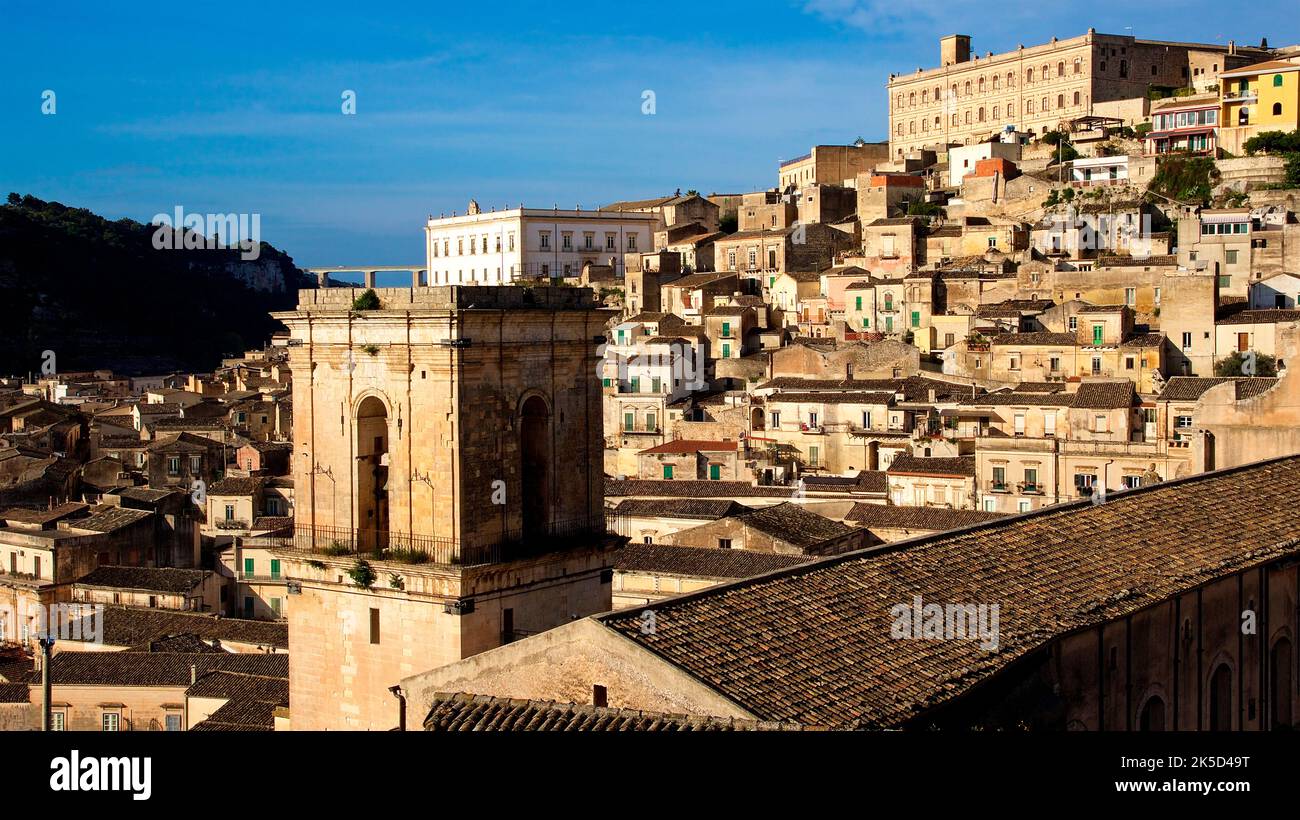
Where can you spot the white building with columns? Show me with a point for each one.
(501, 247)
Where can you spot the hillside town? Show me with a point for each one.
(715, 461)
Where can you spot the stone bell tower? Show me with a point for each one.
(448, 472)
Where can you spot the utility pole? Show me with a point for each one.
(47, 644)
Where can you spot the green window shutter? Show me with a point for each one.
(866, 322)
(726, 351)
(1097, 331)
(668, 471)
(275, 567)
(636, 384)
(857, 302)
(604, 382)
(620, 337)
(629, 421)
(889, 324)
(657, 385)
(651, 421)
(726, 328)
(249, 565)
(715, 472)
(916, 318)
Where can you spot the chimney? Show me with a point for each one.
(953, 49)
(194, 674)
(1232, 47)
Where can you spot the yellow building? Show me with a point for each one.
(1258, 98)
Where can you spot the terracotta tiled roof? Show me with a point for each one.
(1104, 395)
(679, 488)
(237, 486)
(934, 519)
(866, 481)
(458, 712)
(110, 519)
(692, 446)
(795, 525)
(132, 626)
(1190, 388)
(813, 644)
(701, 562)
(157, 668)
(703, 508)
(165, 580)
(911, 465)
(1269, 316)
(1041, 337)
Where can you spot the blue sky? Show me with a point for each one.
(235, 107)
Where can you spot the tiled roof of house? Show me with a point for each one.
(1019, 399)
(684, 445)
(683, 488)
(934, 519)
(839, 397)
(904, 464)
(459, 712)
(165, 580)
(866, 481)
(812, 644)
(1039, 337)
(1104, 395)
(110, 519)
(237, 486)
(157, 668)
(914, 388)
(1153, 261)
(15, 693)
(1190, 388)
(703, 508)
(240, 686)
(795, 525)
(701, 562)
(240, 716)
(132, 626)
(1267, 316)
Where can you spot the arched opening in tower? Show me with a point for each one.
(372, 474)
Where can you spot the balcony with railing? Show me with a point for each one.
(413, 548)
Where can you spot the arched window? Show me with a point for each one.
(911, 127)
(1152, 718)
(1011, 80)
(954, 119)
(1123, 68)
(911, 100)
(1011, 109)
(981, 114)
(1277, 80)
(1277, 109)
(1078, 65)
(937, 94)
(995, 82)
(1045, 107)
(535, 455)
(1029, 76)
(1045, 72)
(1029, 107)
(981, 85)
(967, 88)
(1076, 98)
(925, 126)
(1282, 685)
(997, 112)
(1060, 101)
(936, 123)
(925, 96)
(1219, 705)
(954, 91)
(1060, 69)
(968, 118)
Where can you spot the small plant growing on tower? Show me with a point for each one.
(373, 350)
(362, 574)
(366, 301)
(395, 581)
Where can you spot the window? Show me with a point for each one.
(172, 722)
(668, 472)
(1187, 340)
(1230, 257)
(112, 722)
(813, 457)
(374, 625)
(275, 568)
(1054, 364)
(776, 419)
(1128, 362)
(1183, 422)
(1130, 296)
(1019, 424)
(174, 465)
(230, 512)
(1049, 424)
(250, 567)
(1074, 323)
(566, 241)
(715, 472)
(999, 478)
(58, 721)
(1023, 506)
(1031, 479)
(631, 241)
(724, 543)
(196, 463)
(1098, 333)
(546, 239)
(611, 242)
(1277, 80)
